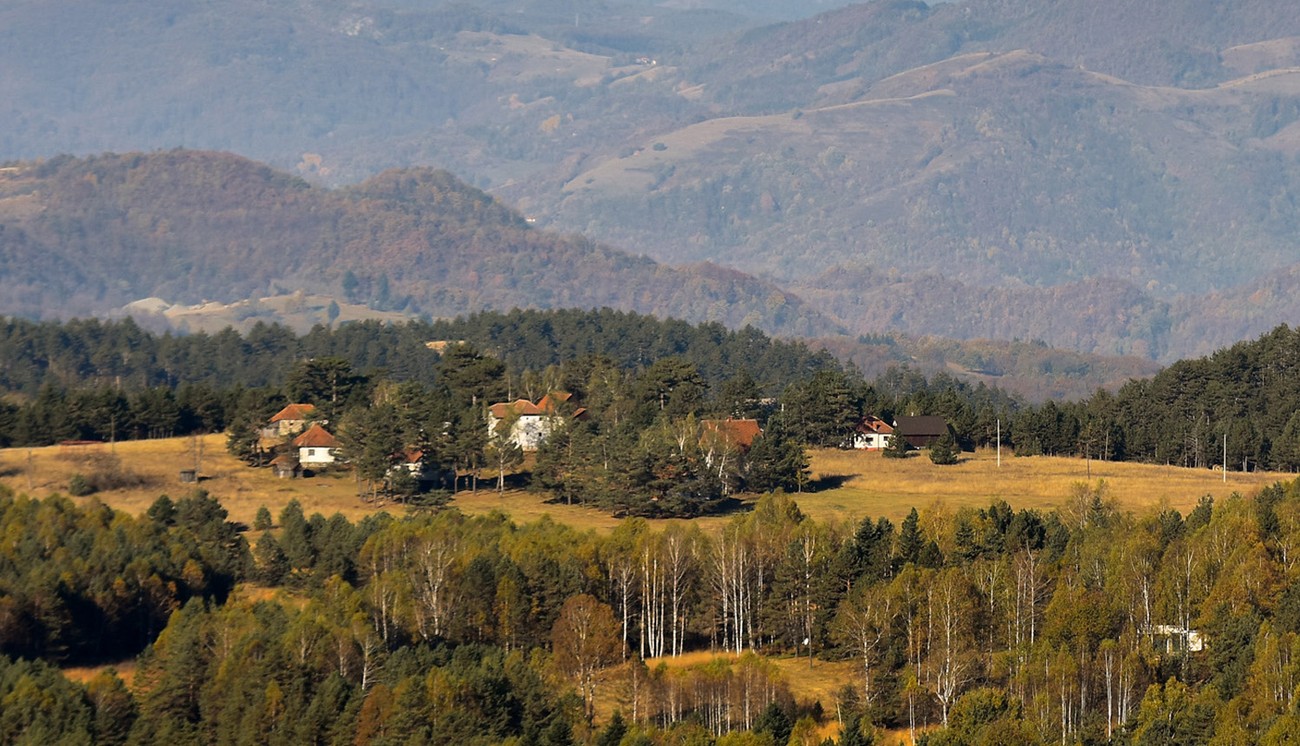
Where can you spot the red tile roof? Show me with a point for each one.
(553, 400)
(316, 437)
(871, 424)
(522, 407)
(517, 408)
(294, 412)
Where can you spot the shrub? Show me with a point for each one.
(79, 486)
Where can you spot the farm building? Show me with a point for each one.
(290, 421)
(921, 431)
(531, 423)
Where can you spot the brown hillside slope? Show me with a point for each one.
(88, 235)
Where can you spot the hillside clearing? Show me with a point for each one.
(846, 485)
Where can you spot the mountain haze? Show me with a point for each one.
(1115, 176)
(87, 235)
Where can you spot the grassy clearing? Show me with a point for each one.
(847, 485)
(125, 671)
(859, 484)
(40, 472)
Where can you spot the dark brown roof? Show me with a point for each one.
(921, 431)
(923, 425)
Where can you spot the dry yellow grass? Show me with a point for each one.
(871, 485)
(242, 490)
(820, 683)
(849, 485)
(125, 671)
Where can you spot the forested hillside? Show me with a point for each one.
(81, 236)
(1244, 399)
(1000, 625)
(1011, 160)
(90, 353)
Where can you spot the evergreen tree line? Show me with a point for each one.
(103, 380)
(1244, 400)
(1082, 625)
(119, 354)
(83, 584)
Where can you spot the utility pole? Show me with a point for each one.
(999, 442)
(1225, 458)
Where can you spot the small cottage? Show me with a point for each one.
(531, 423)
(872, 434)
(286, 466)
(316, 447)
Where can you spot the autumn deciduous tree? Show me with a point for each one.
(585, 638)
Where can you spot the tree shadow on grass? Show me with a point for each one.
(828, 482)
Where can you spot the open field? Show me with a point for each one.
(242, 490)
(852, 485)
(847, 485)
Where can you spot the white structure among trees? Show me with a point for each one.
(530, 423)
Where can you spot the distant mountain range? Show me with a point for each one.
(1114, 177)
(184, 239)
(82, 236)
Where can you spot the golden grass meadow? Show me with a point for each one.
(846, 485)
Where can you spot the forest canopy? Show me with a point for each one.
(1084, 624)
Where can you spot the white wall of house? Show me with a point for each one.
(871, 441)
(528, 432)
(315, 456)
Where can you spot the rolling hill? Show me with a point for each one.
(1116, 177)
(82, 236)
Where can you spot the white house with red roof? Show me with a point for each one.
(531, 423)
(872, 434)
(291, 420)
(316, 447)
